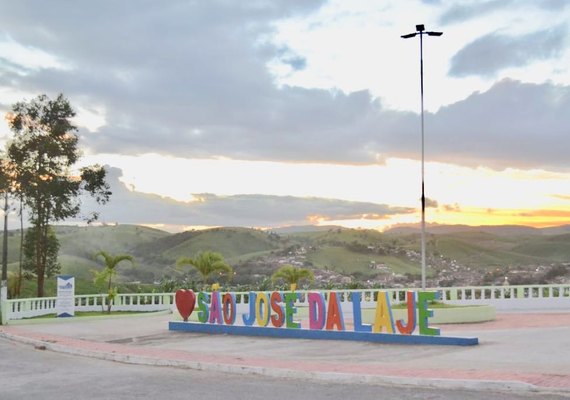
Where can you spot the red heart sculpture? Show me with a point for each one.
(185, 302)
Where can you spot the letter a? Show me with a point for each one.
(216, 309)
(383, 318)
(334, 314)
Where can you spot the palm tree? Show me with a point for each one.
(292, 275)
(111, 262)
(208, 264)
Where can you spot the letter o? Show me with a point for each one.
(229, 308)
(262, 311)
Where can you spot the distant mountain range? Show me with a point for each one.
(501, 230)
(437, 229)
(255, 254)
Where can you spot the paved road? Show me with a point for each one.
(27, 373)
(517, 352)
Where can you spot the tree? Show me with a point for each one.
(4, 190)
(44, 151)
(51, 247)
(292, 275)
(10, 187)
(111, 263)
(208, 264)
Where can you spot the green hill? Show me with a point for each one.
(481, 250)
(554, 248)
(87, 241)
(341, 236)
(232, 243)
(354, 252)
(254, 254)
(348, 262)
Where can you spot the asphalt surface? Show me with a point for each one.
(28, 373)
(519, 352)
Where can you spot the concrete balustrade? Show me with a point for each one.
(555, 297)
(29, 308)
(527, 297)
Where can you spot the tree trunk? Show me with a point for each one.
(109, 295)
(39, 272)
(41, 254)
(19, 281)
(41, 280)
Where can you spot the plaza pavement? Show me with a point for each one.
(517, 351)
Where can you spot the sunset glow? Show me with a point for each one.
(470, 196)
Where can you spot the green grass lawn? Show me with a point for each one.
(80, 314)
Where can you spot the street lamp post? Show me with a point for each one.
(420, 31)
(4, 283)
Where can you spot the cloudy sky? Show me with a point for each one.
(291, 112)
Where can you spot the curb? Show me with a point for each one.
(77, 319)
(441, 383)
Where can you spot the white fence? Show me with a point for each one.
(524, 297)
(35, 307)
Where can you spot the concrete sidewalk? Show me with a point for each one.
(519, 351)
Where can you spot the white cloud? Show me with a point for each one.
(25, 59)
(296, 98)
(132, 206)
(91, 118)
(396, 183)
(201, 88)
(354, 47)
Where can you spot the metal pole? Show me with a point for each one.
(420, 30)
(5, 242)
(4, 287)
(423, 225)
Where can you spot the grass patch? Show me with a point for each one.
(434, 304)
(79, 314)
(349, 262)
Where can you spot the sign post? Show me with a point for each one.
(3, 304)
(65, 302)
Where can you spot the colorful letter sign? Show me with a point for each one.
(278, 312)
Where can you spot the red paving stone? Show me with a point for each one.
(504, 321)
(515, 321)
